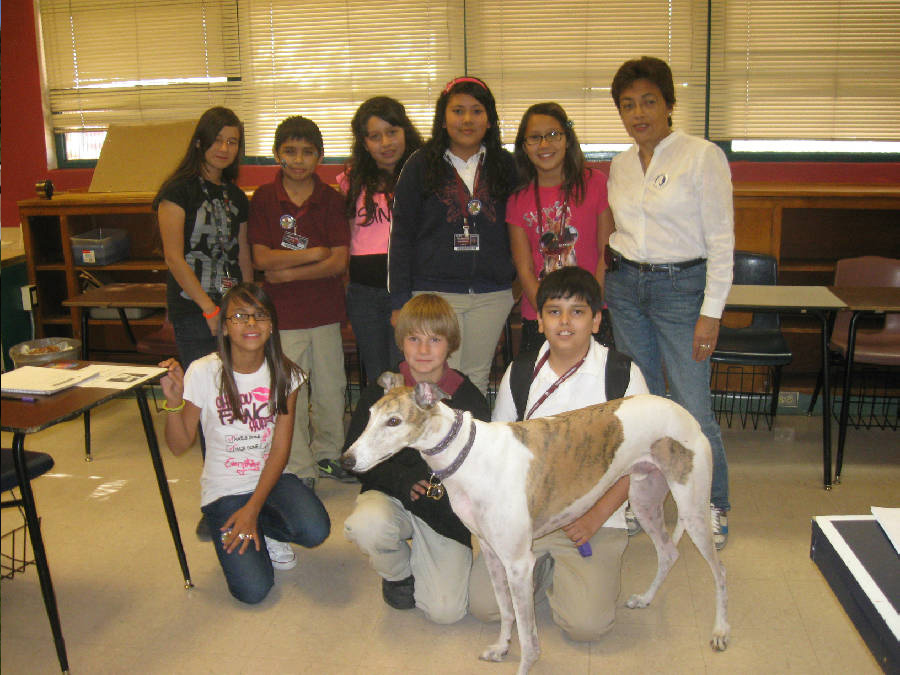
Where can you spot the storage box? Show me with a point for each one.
(100, 247)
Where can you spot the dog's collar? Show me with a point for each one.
(448, 439)
(461, 457)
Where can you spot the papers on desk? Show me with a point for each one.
(42, 381)
(889, 519)
(108, 376)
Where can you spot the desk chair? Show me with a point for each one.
(12, 476)
(747, 362)
(876, 400)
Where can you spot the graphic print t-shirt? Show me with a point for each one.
(237, 445)
(210, 251)
(565, 234)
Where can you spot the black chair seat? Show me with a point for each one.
(752, 347)
(36, 464)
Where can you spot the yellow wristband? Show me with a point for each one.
(177, 408)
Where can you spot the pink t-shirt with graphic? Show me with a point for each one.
(236, 446)
(566, 233)
(374, 238)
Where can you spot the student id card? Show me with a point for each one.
(294, 241)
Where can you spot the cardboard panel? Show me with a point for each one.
(138, 158)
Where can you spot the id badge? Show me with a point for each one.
(294, 241)
(227, 282)
(466, 241)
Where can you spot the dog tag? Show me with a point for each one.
(435, 489)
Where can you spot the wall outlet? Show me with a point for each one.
(29, 297)
(789, 399)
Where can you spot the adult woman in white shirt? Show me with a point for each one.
(669, 260)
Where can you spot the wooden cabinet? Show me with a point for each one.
(47, 229)
(808, 227)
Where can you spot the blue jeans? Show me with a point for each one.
(192, 338)
(292, 512)
(653, 317)
(369, 310)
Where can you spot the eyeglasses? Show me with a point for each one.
(555, 136)
(228, 142)
(240, 317)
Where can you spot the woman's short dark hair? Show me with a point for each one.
(647, 68)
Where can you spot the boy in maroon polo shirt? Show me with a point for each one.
(300, 239)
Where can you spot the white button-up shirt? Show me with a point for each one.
(466, 168)
(680, 209)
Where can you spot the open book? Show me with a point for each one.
(38, 380)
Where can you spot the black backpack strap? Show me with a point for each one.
(520, 380)
(618, 374)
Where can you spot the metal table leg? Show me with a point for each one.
(40, 555)
(162, 482)
(845, 400)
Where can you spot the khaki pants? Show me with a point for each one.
(582, 591)
(319, 422)
(481, 317)
(380, 526)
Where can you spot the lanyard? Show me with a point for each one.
(469, 205)
(540, 211)
(553, 387)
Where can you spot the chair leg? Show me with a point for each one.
(40, 555)
(88, 457)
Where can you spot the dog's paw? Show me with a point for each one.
(496, 652)
(719, 641)
(637, 602)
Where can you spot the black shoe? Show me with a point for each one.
(399, 594)
(204, 531)
(328, 468)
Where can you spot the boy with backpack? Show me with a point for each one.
(576, 566)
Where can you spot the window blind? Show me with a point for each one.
(828, 69)
(132, 61)
(530, 51)
(321, 59)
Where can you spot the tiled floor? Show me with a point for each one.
(124, 609)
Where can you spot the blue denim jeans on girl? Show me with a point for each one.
(292, 513)
(653, 317)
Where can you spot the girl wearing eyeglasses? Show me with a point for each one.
(448, 234)
(244, 396)
(555, 218)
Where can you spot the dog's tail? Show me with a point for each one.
(679, 530)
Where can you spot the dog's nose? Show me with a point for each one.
(348, 462)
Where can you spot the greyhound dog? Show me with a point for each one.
(512, 482)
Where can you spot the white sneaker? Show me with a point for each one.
(631, 521)
(281, 554)
(719, 520)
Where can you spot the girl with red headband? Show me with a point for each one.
(449, 234)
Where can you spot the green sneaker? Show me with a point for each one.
(328, 468)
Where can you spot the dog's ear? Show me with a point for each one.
(389, 380)
(427, 394)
